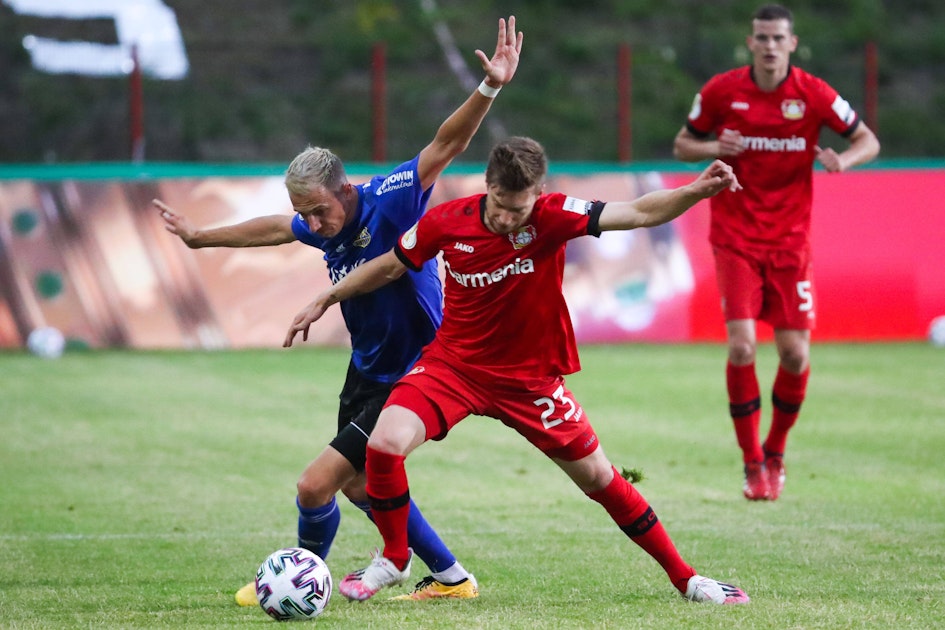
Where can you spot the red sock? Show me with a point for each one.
(786, 398)
(390, 502)
(636, 519)
(744, 405)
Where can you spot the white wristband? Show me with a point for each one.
(487, 90)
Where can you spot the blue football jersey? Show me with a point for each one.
(389, 326)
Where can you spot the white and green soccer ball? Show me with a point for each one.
(293, 584)
(46, 342)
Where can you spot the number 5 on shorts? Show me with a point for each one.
(807, 296)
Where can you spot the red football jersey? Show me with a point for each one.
(503, 308)
(780, 131)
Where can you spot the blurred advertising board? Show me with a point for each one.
(90, 256)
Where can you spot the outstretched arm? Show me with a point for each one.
(274, 229)
(454, 134)
(661, 206)
(366, 278)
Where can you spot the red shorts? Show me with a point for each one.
(544, 412)
(774, 286)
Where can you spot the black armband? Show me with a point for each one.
(593, 223)
(701, 135)
(403, 258)
(851, 129)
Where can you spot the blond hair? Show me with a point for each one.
(312, 167)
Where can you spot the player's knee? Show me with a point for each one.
(313, 491)
(396, 434)
(389, 444)
(591, 473)
(794, 359)
(600, 477)
(741, 352)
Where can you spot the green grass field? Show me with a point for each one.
(140, 490)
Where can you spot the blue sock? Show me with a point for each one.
(422, 539)
(318, 526)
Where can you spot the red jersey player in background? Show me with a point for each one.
(764, 120)
(504, 345)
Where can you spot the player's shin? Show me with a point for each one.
(787, 395)
(744, 397)
(633, 514)
(318, 526)
(390, 502)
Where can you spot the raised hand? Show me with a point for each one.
(500, 69)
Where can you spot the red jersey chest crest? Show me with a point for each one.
(793, 108)
(523, 237)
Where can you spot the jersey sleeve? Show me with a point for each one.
(401, 198)
(836, 112)
(418, 244)
(703, 113)
(569, 217)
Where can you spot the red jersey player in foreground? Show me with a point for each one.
(504, 344)
(764, 120)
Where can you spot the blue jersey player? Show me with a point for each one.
(388, 329)
(352, 224)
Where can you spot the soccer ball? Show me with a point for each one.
(937, 331)
(46, 342)
(293, 583)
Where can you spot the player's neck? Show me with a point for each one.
(349, 201)
(768, 80)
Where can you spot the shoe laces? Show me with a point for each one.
(377, 557)
(425, 582)
(359, 574)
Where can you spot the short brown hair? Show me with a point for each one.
(771, 12)
(517, 164)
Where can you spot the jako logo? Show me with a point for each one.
(485, 279)
(463, 247)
